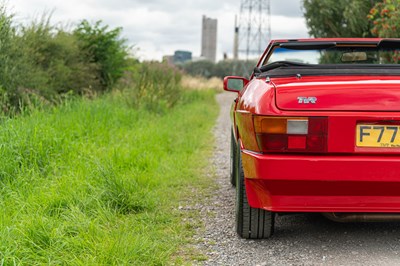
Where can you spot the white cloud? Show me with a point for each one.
(148, 51)
(288, 27)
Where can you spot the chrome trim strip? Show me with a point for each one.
(243, 111)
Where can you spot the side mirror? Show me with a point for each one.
(235, 84)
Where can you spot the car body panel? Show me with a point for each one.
(259, 98)
(343, 93)
(298, 183)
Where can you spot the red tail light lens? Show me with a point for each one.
(291, 134)
(297, 142)
(272, 142)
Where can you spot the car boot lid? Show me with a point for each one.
(335, 93)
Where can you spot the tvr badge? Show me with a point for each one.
(307, 100)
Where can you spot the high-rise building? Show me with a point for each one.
(209, 39)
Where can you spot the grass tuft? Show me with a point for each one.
(122, 195)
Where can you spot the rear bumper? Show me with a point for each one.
(294, 183)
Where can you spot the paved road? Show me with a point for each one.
(306, 239)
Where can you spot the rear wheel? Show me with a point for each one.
(233, 160)
(251, 223)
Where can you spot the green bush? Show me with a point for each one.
(11, 61)
(104, 47)
(40, 64)
(57, 64)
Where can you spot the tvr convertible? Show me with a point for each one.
(316, 128)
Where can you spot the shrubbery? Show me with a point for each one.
(41, 63)
(57, 64)
(105, 48)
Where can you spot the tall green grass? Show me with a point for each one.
(157, 86)
(98, 182)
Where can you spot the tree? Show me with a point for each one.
(386, 19)
(338, 18)
(104, 47)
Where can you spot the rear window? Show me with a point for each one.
(336, 55)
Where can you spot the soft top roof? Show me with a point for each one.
(286, 68)
(357, 40)
(332, 70)
(330, 43)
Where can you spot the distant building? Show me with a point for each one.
(181, 57)
(209, 39)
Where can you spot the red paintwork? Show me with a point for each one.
(346, 178)
(338, 183)
(339, 93)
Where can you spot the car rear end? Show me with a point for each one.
(338, 154)
(319, 133)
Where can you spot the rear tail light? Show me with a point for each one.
(291, 134)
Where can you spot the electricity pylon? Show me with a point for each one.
(253, 30)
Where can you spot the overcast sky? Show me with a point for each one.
(159, 27)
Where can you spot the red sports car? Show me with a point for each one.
(317, 129)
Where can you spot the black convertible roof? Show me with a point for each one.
(333, 70)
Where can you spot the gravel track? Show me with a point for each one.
(301, 239)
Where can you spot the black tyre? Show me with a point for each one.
(233, 160)
(251, 223)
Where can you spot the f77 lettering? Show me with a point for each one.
(365, 131)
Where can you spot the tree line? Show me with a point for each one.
(221, 69)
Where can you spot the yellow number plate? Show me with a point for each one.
(384, 136)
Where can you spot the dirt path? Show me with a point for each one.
(304, 239)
